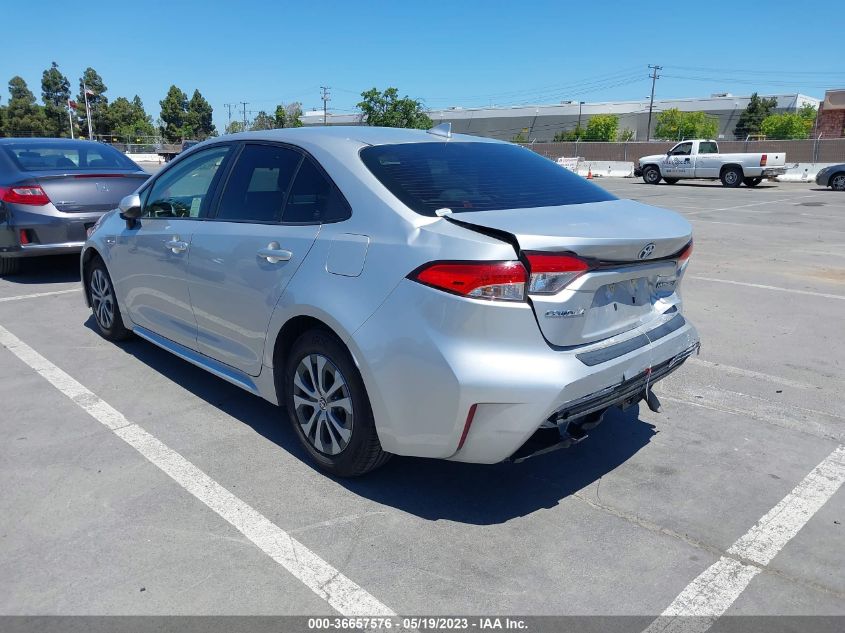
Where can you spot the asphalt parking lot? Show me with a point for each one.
(651, 511)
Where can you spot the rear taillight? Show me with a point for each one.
(763, 159)
(551, 272)
(501, 281)
(32, 194)
(683, 257)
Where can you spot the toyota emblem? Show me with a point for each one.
(648, 249)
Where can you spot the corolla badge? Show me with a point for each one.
(648, 249)
(563, 314)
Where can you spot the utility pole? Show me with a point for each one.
(228, 106)
(88, 111)
(578, 127)
(244, 104)
(326, 97)
(654, 77)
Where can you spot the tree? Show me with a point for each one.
(751, 119)
(174, 115)
(23, 116)
(97, 101)
(569, 135)
(676, 125)
(199, 117)
(388, 110)
(626, 135)
(789, 125)
(128, 120)
(234, 127)
(263, 121)
(55, 92)
(293, 114)
(601, 127)
(280, 117)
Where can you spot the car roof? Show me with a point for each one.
(330, 136)
(28, 140)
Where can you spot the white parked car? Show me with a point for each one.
(701, 158)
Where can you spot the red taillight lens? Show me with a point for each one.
(503, 281)
(33, 195)
(551, 272)
(763, 159)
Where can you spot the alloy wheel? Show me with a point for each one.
(102, 298)
(323, 404)
(838, 182)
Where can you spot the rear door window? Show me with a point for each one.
(259, 184)
(467, 177)
(314, 199)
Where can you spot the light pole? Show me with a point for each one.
(578, 127)
(85, 91)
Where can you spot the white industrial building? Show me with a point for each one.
(542, 122)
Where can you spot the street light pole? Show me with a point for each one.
(578, 127)
(88, 113)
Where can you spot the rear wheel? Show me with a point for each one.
(651, 175)
(9, 266)
(731, 177)
(328, 406)
(104, 303)
(752, 182)
(671, 181)
(837, 182)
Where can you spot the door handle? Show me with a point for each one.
(176, 245)
(274, 254)
(686, 160)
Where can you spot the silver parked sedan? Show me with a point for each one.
(399, 291)
(832, 176)
(53, 190)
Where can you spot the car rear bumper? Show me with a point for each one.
(771, 172)
(432, 358)
(25, 233)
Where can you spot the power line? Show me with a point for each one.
(654, 77)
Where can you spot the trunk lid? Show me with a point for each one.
(83, 192)
(631, 282)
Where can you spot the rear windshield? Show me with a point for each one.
(47, 156)
(468, 177)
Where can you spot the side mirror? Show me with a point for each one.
(130, 209)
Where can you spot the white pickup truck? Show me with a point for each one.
(700, 158)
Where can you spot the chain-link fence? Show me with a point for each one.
(801, 151)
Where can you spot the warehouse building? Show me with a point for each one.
(541, 122)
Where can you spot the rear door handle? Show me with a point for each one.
(274, 254)
(176, 245)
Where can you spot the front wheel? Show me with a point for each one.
(104, 303)
(651, 175)
(327, 405)
(752, 182)
(837, 183)
(731, 177)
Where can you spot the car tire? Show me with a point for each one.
(327, 404)
(671, 181)
(9, 266)
(104, 307)
(752, 182)
(651, 175)
(731, 177)
(837, 182)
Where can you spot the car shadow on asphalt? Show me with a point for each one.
(429, 488)
(53, 269)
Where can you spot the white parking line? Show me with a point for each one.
(765, 287)
(748, 373)
(35, 295)
(340, 592)
(707, 597)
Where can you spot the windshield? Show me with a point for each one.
(82, 156)
(467, 177)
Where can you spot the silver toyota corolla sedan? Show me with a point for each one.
(52, 190)
(399, 291)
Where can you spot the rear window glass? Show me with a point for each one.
(47, 156)
(467, 177)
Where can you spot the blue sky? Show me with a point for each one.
(462, 53)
